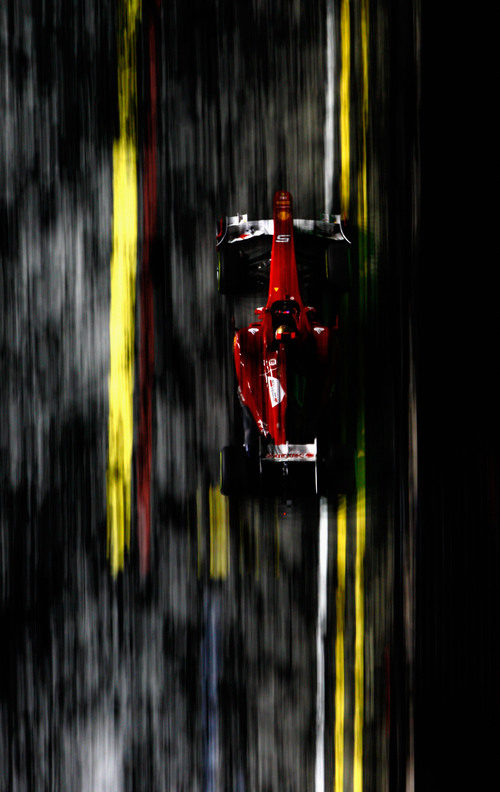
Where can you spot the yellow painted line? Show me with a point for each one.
(359, 663)
(339, 646)
(219, 534)
(359, 578)
(122, 304)
(345, 89)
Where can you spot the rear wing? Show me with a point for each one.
(238, 228)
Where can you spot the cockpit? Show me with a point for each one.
(285, 316)
(285, 312)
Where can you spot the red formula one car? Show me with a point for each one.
(285, 361)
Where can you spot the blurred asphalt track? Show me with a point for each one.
(186, 658)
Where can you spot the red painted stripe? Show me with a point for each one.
(146, 346)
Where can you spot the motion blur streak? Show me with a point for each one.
(330, 109)
(219, 534)
(146, 353)
(364, 107)
(359, 647)
(277, 543)
(210, 703)
(122, 308)
(320, 645)
(362, 213)
(345, 88)
(339, 645)
(199, 530)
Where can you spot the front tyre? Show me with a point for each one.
(335, 471)
(338, 266)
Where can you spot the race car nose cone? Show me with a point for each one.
(282, 205)
(282, 197)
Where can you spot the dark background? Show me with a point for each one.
(457, 552)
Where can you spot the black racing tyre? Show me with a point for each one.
(250, 432)
(335, 470)
(244, 265)
(233, 478)
(311, 257)
(225, 273)
(338, 266)
(254, 257)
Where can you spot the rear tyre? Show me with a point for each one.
(225, 273)
(233, 473)
(250, 433)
